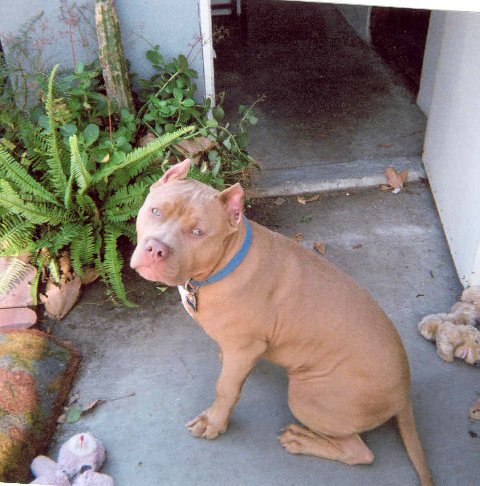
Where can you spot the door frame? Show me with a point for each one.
(206, 33)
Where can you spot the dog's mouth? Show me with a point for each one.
(162, 275)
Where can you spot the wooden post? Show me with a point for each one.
(112, 57)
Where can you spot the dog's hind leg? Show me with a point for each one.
(349, 449)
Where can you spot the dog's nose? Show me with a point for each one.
(156, 250)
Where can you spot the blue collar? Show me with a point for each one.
(232, 264)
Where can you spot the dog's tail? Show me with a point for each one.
(409, 434)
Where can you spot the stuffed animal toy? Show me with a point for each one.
(79, 459)
(455, 333)
(93, 478)
(47, 471)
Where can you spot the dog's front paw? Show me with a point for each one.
(206, 426)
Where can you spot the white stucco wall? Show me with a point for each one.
(452, 142)
(172, 24)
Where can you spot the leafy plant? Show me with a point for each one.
(169, 98)
(55, 196)
(71, 180)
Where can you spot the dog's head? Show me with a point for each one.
(183, 227)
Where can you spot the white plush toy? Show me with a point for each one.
(79, 459)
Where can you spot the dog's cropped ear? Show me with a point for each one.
(178, 171)
(232, 199)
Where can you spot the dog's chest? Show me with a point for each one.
(186, 299)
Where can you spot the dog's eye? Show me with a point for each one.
(197, 232)
(156, 211)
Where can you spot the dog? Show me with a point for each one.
(259, 295)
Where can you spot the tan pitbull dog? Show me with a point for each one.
(348, 371)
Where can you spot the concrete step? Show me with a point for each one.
(333, 177)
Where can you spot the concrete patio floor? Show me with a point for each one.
(393, 245)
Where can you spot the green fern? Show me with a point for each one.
(67, 199)
(13, 275)
(152, 149)
(82, 249)
(54, 161)
(55, 195)
(77, 168)
(6, 144)
(113, 264)
(131, 195)
(39, 261)
(34, 213)
(125, 203)
(16, 234)
(127, 229)
(120, 179)
(150, 177)
(120, 214)
(87, 205)
(35, 142)
(54, 269)
(18, 175)
(55, 240)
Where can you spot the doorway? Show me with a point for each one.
(330, 99)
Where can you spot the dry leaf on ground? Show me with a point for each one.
(385, 145)
(298, 237)
(306, 200)
(475, 410)
(61, 419)
(90, 274)
(395, 180)
(279, 201)
(146, 139)
(320, 247)
(59, 299)
(194, 147)
(74, 411)
(88, 407)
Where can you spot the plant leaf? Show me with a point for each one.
(112, 265)
(17, 174)
(15, 235)
(35, 213)
(77, 168)
(153, 148)
(91, 134)
(74, 413)
(55, 166)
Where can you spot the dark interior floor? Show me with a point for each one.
(329, 96)
(399, 36)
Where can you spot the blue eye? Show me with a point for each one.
(156, 212)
